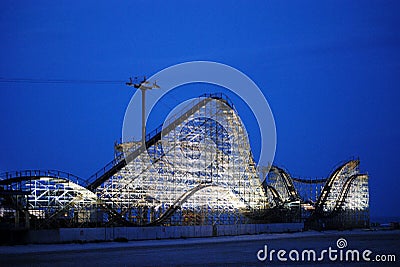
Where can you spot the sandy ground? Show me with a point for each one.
(217, 251)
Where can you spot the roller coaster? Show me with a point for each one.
(197, 168)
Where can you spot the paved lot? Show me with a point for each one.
(221, 251)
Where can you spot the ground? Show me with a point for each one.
(217, 251)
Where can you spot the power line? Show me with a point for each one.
(70, 81)
(59, 81)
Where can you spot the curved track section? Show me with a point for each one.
(343, 194)
(275, 196)
(287, 181)
(334, 184)
(349, 197)
(178, 204)
(18, 176)
(48, 195)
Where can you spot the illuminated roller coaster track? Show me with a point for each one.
(152, 139)
(7, 178)
(19, 178)
(46, 193)
(338, 176)
(334, 195)
(344, 193)
(277, 198)
(342, 197)
(25, 182)
(52, 193)
(281, 187)
(288, 183)
(178, 203)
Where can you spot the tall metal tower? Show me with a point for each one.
(143, 86)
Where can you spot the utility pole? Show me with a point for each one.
(143, 86)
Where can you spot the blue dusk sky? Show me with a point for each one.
(330, 71)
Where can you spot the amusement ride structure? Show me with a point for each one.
(195, 169)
